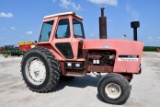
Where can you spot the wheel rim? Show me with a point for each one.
(113, 91)
(35, 71)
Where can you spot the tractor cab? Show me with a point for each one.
(63, 32)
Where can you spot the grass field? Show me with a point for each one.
(150, 48)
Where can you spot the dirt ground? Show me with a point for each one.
(82, 91)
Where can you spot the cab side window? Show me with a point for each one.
(65, 49)
(63, 30)
(45, 31)
(78, 29)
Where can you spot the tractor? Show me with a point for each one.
(63, 51)
(10, 50)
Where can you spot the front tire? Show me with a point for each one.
(40, 70)
(114, 88)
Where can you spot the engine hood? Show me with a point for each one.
(121, 46)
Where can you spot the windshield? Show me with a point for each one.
(63, 30)
(78, 29)
(45, 31)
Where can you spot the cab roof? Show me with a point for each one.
(63, 14)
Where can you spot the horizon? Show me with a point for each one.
(21, 20)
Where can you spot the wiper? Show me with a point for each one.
(77, 36)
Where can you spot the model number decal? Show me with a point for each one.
(128, 58)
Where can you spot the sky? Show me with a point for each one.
(21, 20)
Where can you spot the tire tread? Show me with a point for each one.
(54, 69)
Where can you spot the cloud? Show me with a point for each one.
(109, 20)
(29, 33)
(6, 15)
(128, 8)
(153, 39)
(13, 28)
(145, 24)
(68, 4)
(149, 38)
(134, 13)
(54, 1)
(105, 2)
(92, 34)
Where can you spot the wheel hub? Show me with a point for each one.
(36, 71)
(113, 90)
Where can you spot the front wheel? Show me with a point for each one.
(40, 70)
(114, 88)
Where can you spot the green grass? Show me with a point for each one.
(150, 49)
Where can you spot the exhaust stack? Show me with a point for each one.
(135, 25)
(102, 25)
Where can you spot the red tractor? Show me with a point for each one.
(25, 46)
(63, 51)
(1, 48)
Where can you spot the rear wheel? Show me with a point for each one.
(40, 70)
(114, 88)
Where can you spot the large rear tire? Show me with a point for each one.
(114, 88)
(40, 70)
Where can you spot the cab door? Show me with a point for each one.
(63, 40)
(68, 33)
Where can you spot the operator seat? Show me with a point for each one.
(49, 34)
